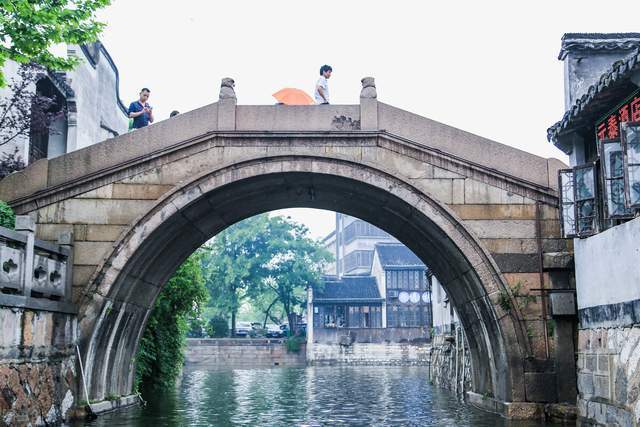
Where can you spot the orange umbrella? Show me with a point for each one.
(292, 96)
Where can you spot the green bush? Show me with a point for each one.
(160, 353)
(7, 217)
(294, 344)
(218, 327)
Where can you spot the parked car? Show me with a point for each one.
(243, 329)
(285, 330)
(273, 331)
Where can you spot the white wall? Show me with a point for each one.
(608, 266)
(381, 279)
(96, 101)
(441, 311)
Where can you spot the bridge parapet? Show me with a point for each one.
(35, 274)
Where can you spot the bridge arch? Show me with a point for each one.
(123, 289)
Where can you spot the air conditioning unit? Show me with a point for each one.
(392, 294)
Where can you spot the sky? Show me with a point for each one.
(488, 67)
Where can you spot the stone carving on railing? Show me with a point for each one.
(11, 267)
(32, 269)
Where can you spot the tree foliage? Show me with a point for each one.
(266, 260)
(234, 263)
(30, 28)
(10, 162)
(7, 216)
(160, 353)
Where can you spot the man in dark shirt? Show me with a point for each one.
(140, 111)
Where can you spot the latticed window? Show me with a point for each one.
(615, 185)
(631, 149)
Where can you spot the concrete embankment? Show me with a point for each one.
(211, 353)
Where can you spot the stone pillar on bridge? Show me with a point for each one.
(368, 104)
(227, 105)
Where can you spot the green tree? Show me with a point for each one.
(296, 262)
(160, 353)
(7, 216)
(234, 263)
(29, 28)
(269, 261)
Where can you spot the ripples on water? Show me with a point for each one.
(312, 396)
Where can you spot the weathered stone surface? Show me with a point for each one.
(90, 253)
(139, 191)
(479, 193)
(93, 211)
(496, 229)
(123, 206)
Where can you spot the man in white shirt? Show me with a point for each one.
(321, 93)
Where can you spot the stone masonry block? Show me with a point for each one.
(103, 232)
(94, 211)
(90, 253)
(443, 173)
(495, 211)
(82, 274)
(585, 385)
(524, 246)
(440, 189)
(458, 191)
(139, 191)
(591, 362)
(496, 229)
(481, 193)
(105, 192)
(602, 386)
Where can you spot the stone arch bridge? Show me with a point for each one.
(482, 215)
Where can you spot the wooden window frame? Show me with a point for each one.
(605, 180)
(626, 164)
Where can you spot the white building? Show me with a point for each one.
(352, 244)
(89, 93)
(600, 200)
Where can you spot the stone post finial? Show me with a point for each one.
(368, 88)
(227, 105)
(368, 104)
(226, 89)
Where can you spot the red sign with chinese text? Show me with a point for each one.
(609, 126)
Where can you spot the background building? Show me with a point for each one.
(90, 97)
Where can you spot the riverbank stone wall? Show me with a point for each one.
(212, 353)
(393, 354)
(37, 366)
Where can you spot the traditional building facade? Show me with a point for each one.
(382, 292)
(89, 97)
(600, 198)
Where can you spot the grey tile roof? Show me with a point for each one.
(397, 255)
(612, 86)
(348, 289)
(597, 41)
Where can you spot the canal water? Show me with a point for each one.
(311, 396)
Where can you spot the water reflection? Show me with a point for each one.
(317, 396)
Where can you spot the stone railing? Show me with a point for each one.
(35, 274)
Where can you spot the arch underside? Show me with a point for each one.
(113, 314)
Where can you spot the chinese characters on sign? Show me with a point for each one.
(609, 127)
